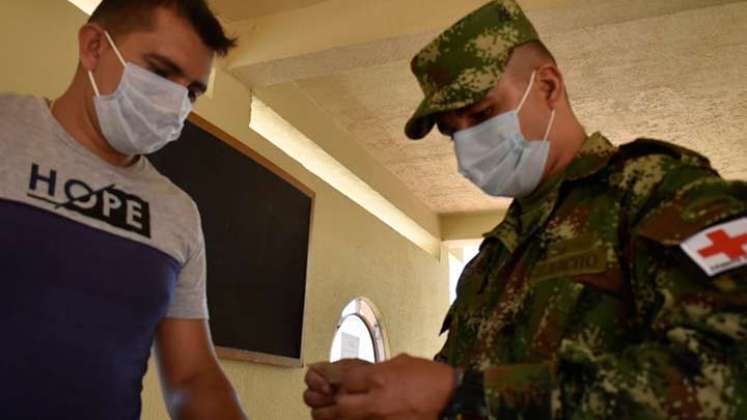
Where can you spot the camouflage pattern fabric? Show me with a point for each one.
(581, 305)
(464, 63)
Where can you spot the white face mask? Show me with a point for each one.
(496, 157)
(145, 113)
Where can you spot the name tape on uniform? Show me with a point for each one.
(719, 248)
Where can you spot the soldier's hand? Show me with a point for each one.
(323, 381)
(404, 388)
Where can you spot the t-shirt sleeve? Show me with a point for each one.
(190, 300)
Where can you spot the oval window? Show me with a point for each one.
(360, 334)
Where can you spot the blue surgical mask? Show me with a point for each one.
(496, 157)
(145, 113)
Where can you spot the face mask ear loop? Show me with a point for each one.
(526, 94)
(119, 56)
(93, 83)
(549, 125)
(114, 47)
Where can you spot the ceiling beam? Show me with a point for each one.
(457, 227)
(335, 35)
(341, 35)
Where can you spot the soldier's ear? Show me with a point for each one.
(551, 83)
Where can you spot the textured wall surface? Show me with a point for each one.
(665, 69)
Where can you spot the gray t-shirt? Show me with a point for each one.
(92, 258)
(42, 166)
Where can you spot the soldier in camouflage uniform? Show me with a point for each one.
(615, 289)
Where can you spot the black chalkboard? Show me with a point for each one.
(256, 221)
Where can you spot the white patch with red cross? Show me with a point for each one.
(719, 248)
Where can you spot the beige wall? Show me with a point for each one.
(352, 253)
(469, 226)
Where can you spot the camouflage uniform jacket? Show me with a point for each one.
(582, 305)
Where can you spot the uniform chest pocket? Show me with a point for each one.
(578, 292)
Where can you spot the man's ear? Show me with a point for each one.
(91, 44)
(551, 84)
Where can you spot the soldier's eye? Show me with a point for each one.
(485, 113)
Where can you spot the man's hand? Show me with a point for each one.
(323, 381)
(404, 388)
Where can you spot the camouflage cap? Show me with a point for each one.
(465, 62)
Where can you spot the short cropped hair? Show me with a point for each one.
(539, 50)
(527, 57)
(121, 17)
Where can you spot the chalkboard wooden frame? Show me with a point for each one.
(241, 355)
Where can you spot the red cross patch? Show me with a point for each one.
(719, 248)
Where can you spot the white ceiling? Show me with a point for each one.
(238, 10)
(664, 69)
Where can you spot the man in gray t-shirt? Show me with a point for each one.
(100, 255)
